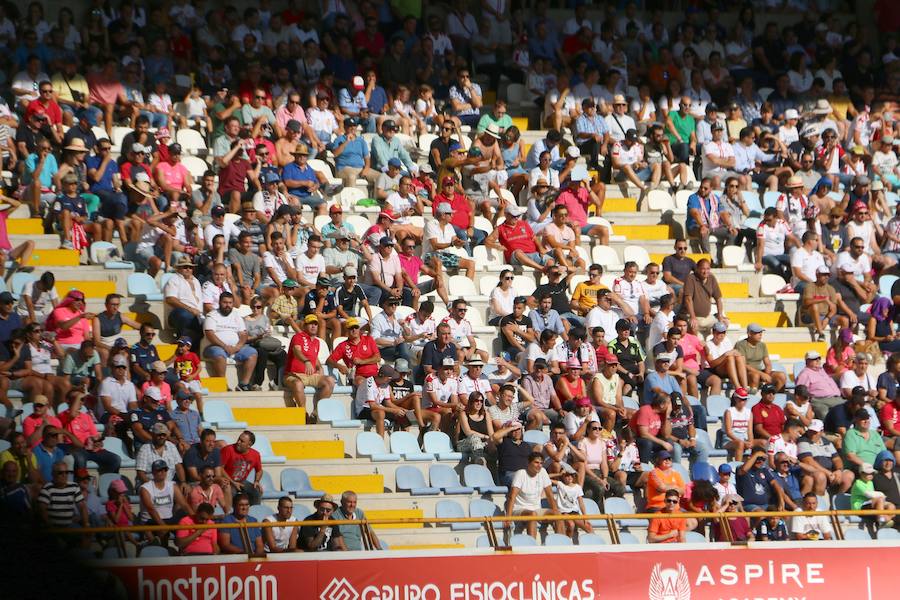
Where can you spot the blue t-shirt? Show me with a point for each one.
(49, 170)
(354, 154)
(293, 171)
(46, 460)
(253, 533)
(105, 183)
(378, 100)
(694, 202)
(75, 205)
(790, 485)
(666, 383)
(755, 486)
(310, 300)
(144, 357)
(7, 326)
(886, 382)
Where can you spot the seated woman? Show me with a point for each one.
(881, 328)
(475, 432)
(501, 298)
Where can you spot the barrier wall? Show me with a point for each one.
(765, 571)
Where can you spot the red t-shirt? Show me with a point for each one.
(516, 237)
(890, 414)
(81, 426)
(188, 363)
(647, 417)
(52, 110)
(238, 466)
(309, 347)
(770, 416)
(205, 544)
(365, 348)
(31, 423)
(462, 210)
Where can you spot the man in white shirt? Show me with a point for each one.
(439, 236)
(718, 155)
(218, 226)
(528, 485)
(310, 264)
(226, 336)
(632, 293)
(618, 121)
(374, 399)
(389, 332)
(853, 275)
(441, 391)
(184, 297)
(811, 528)
(805, 261)
(628, 161)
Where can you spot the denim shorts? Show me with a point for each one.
(240, 356)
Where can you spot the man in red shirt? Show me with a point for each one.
(33, 425)
(518, 242)
(238, 461)
(46, 105)
(198, 541)
(358, 353)
(768, 418)
(303, 367)
(650, 425)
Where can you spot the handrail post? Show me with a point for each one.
(613, 529)
(245, 537)
(836, 525)
(491, 532)
(726, 528)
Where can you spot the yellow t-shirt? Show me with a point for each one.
(585, 295)
(7, 456)
(76, 83)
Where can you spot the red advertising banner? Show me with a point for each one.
(764, 572)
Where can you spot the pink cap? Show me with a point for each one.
(583, 402)
(117, 485)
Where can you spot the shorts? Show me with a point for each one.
(539, 512)
(448, 259)
(307, 380)
(642, 174)
(703, 375)
(586, 229)
(806, 319)
(541, 259)
(241, 355)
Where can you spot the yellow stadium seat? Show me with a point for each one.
(25, 227)
(522, 124)
(166, 351)
(91, 289)
(412, 513)
(338, 484)
(271, 416)
(312, 450)
(795, 350)
(769, 319)
(738, 289)
(644, 232)
(658, 257)
(214, 384)
(620, 205)
(490, 97)
(54, 258)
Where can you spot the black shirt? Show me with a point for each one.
(311, 531)
(443, 149)
(513, 456)
(88, 137)
(350, 301)
(522, 323)
(402, 389)
(559, 292)
(433, 357)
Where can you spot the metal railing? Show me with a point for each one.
(369, 539)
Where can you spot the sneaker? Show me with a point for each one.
(256, 388)
(820, 337)
(67, 245)
(244, 387)
(333, 188)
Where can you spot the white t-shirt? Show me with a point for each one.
(598, 317)
(659, 327)
(227, 230)
(459, 331)
(567, 497)
(442, 390)
(617, 129)
(858, 266)
(865, 230)
(631, 292)
(434, 231)
(807, 262)
(628, 156)
(740, 422)
(573, 421)
(778, 444)
(270, 261)
(466, 385)
(714, 350)
(310, 268)
(503, 299)
(43, 302)
(531, 489)
(120, 394)
(370, 393)
(428, 327)
(773, 237)
(282, 535)
(211, 292)
(226, 327)
(805, 525)
(718, 150)
(850, 380)
(188, 292)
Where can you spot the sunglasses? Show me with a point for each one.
(260, 97)
(671, 501)
(40, 405)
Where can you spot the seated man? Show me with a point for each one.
(668, 531)
(756, 355)
(304, 368)
(811, 528)
(227, 336)
(528, 485)
(517, 241)
(375, 400)
(824, 393)
(823, 466)
(756, 484)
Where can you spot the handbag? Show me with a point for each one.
(269, 344)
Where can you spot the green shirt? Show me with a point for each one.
(219, 124)
(858, 493)
(683, 125)
(504, 122)
(865, 449)
(352, 534)
(754, 355)
(75, 364)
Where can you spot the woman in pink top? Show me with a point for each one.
(577, 197)
(596, 473)
(70, 322)
(21, 253)
(839, 357)
(173, 177)
(694, 363)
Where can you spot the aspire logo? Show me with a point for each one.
(669, 584)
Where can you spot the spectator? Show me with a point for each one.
(374, 400)
(208, 490)
(756, 355)
(864, 497)
(320, 538)
(158, 447)
(662, 480)
(886, 479)
(823, 467)
(107, 325)
(859, 377)
(668, 530)
(184, 297)
(197, 541)
(823, 391)
(284, 538)
(820, 304)
(757, 485)
(524, 498)
(650, 425)
(226, 333)
(701, 290)
(38, 299)
(230, 542)
(677, 266)
(48, 452)
(238, 461)
(204, 453)
(629, 163)
(861, 444)
(160, 497)
(768, 417)
(60, 502)
(85, 442)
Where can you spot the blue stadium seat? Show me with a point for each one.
(142, 286)
(450, 509)
(557, 539)
(521, 540)
(114, 445)
(260, 511)
(628, 538)
(479, 507)
(218, 412)
(888, 533)
(703, 437)
(370, 444)
(716, 405)
(857, 535)
(406, 445)
(590, 539)
(438, 444)
(264, 447)
(478, 477)
(620, 506)
(536, 436)
(692, 537)
(482, 542)
(270, 492)
(591, 508)
(445, 478)
(296, 482)
(704, 471)
(410, 479)
(154, 552)
(334, 412)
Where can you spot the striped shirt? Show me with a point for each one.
(62, 503)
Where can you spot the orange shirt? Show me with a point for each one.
(663, 526)
(656, 493)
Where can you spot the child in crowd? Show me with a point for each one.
(570, 501)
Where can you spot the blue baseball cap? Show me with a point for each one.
(725, 469)
(395, 162)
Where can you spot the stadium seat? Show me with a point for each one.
(516, 94)
(770, 199)
(296, 482)
(264, 447)
(590, 539)
(681, 200)
(406, 445)
(482, 542)
(446, 479)
(479, 507)
(438, 443)
(557, 539)
(628, 538)
(487, 283)
(410, 479)
(191, 141)
(637, 254)
(630, 403)
(370, 444)
(693, 537)
(114, 445)
(591, 508)
(523, 285)
(660, 200)
(704, 471)
(260, 511)
(195, 165)
(842, 502)
(460, 286)
(218, 413)
(450, 509)
(770, 284)
(4, 445)
(142, 286)
(478, 477)
(703, 436)
(521, 540)
(536, 436)
(857, 535)
(716, 405)
(154, 551)
(888, 533)
(488, 259)
(301, 511)
(334, 412)
(607, 258)
(18, 282)
(885, 283)
(270, 492)
(620, 506)
(101, 253)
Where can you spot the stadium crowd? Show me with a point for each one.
(785, 136)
